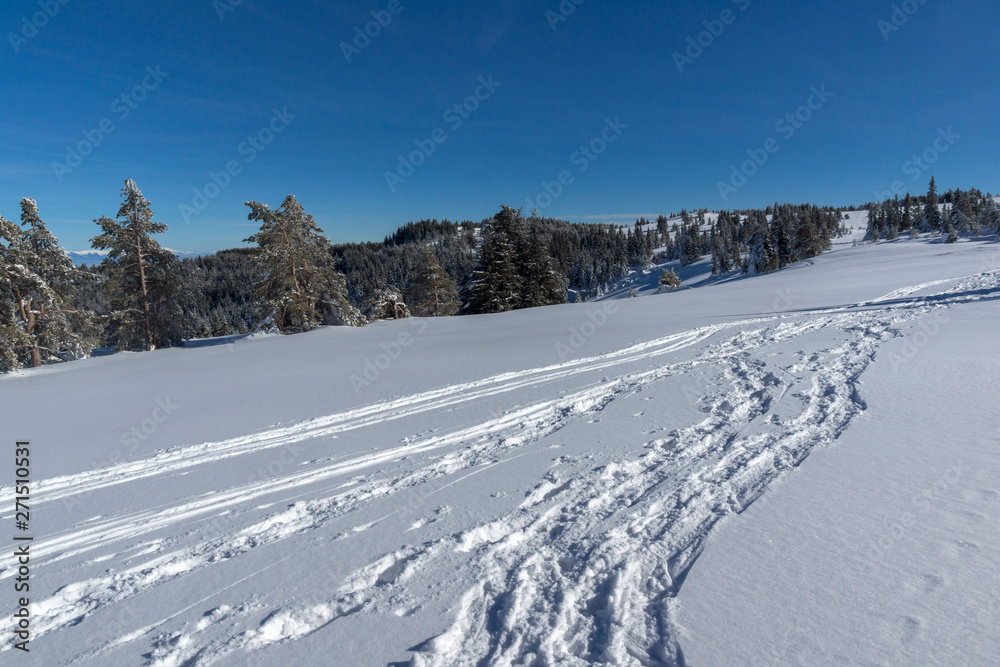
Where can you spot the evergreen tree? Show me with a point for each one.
(808, 243)
(669, 280)
(141, 274)
(54, 327)
(763, 254)
(494, 287)
(384, 303)
(432, 293)
(663, 229)
(15, 278)
(906, 221)
(541, 284)
(989, 217)
(932, 212)
(959, 223)
(785, 239)
(690, 245)
(300, 287)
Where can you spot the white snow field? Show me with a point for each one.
(561, 486)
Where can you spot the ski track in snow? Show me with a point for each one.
(585, 570)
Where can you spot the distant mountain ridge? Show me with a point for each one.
(91, 257)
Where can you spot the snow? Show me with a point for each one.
(720, 475)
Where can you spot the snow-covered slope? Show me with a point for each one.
(528, 488)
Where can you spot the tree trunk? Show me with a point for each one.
(145, 296)
(36, 353)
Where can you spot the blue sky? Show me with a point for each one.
(201, 77)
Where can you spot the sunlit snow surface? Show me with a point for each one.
(619, 482)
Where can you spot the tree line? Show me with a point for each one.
(291, 279)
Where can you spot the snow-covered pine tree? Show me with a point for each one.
(874, 232)
(932, 212)
(958, 223)
(906, 221)
(648, 246)
(689, 244)
(782, 230)
(541, 284)
(808, 243)
(720, 240)
(989, 217)
(432, 292)
(142, 276)
(54, 327)
(735, 242)
(894, 220)
(384, 303)
(300, 288)
(14, 277)
(669, 280)
(663, 230)
(495, 284)
(763, 254)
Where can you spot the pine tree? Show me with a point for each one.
(763, 255)
(300, 287)
(541, 284)
(958, 223)
(495, 287)
(669, 280)
(690, 244)
(808, 243)
(784, 237)
(141, 274)
(906, 223)
(54, 327)
(989, 217)
(932, 212)
(432, 293)
(384, 303)
(15, 277)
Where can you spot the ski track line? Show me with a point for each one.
(74, 602)
(741, 475)
(586, 503)
(194, 455)
(609, 595)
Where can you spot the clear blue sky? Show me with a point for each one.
(224, 77)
